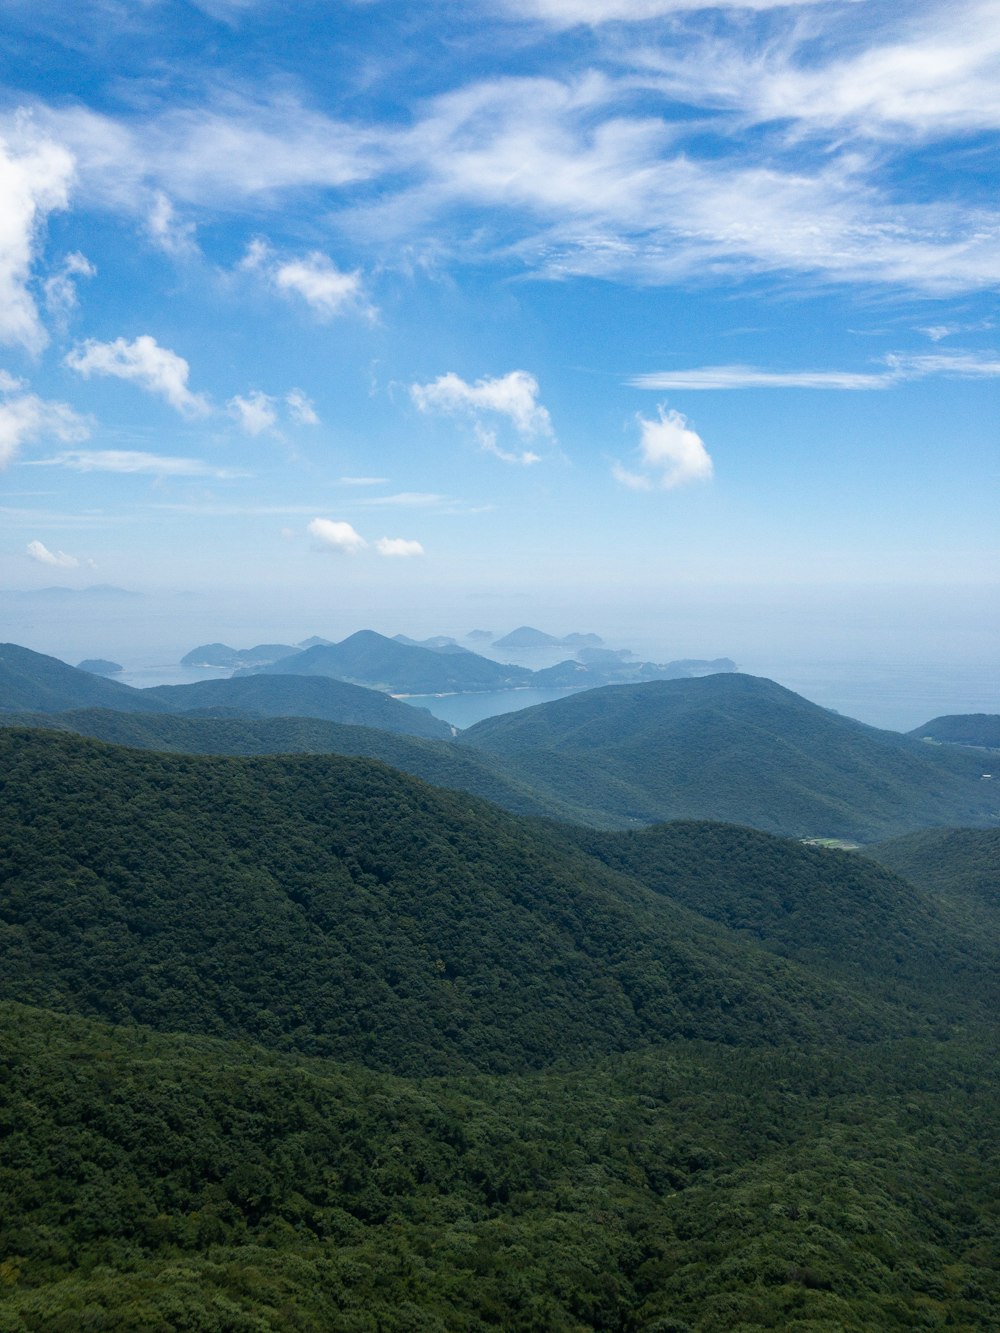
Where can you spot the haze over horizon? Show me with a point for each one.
(642, 317)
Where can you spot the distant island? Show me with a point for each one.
(100, 666)
(527, 637)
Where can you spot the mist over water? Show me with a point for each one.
(893, 658)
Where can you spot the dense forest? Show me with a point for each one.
(297, 1041)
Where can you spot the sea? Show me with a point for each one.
(896, 693)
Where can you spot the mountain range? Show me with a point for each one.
(301, 1040)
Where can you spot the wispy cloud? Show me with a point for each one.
(512, 397)
(25, 418)
(60, 286)
(670, 454)
(301, 409)
(363, 481)
(133, 461)
(255, 413)
(898, 369)
(406, 500)
(592, 13)
(144, 362)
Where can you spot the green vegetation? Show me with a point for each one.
(301, 1042)
(978, 729)
(371, 659)
(165, 1182)
(960, 867)
(32, 682)
(740, 749)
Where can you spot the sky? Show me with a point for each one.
(589, 304)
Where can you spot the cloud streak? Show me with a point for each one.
(133, 461)
(899, 369)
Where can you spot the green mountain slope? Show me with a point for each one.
(38, 683)
(435, 761)
(740, 749)
(32, 682)
(166, 1182)
(371, 659)
(835, 911)
(296, 696)
(981, 729)
(959, 866)
(335, 906)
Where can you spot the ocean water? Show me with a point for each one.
(898, 693)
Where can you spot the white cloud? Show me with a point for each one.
(58, 559)
(24, 417)
(154, 368)
(255, 413)
(300, 408)
(35, 177)
(174, 236)
(127, 461)
(570, 13)
(936, 72)
(363, 481)
(336, 535)
(328, 290)
(398, 546)
(670, 454)
(899, 368)
(513, 397)
(60, 287)
(323, 286)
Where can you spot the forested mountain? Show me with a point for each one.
(959, 866)
(981, 729)
(371, 659)
(691, 1077)
(740, 749)
(298, 696)
(435, 761)
(33, 682)
(38, 683)
(338, 907)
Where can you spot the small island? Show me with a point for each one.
(100, 666)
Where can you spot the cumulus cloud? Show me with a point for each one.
(300, 408)
(255, 413)
(670, 454)
(57, 559)
(129, 460)
(60, 286)
(24, 418)
(326, 289)
(35, 178)
(512, 397)
(398, 546)
(156, 369)
(335, 535)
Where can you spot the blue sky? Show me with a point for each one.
(402, 303)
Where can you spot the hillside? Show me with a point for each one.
(335, 906)
(371, 659)
(165, 1182)
(221, 655)
(31, 682)
(35, 682)
(435, 761)
(296, 696)
(981, 729)
(740, 749)
(834, 911)
(959, 866)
